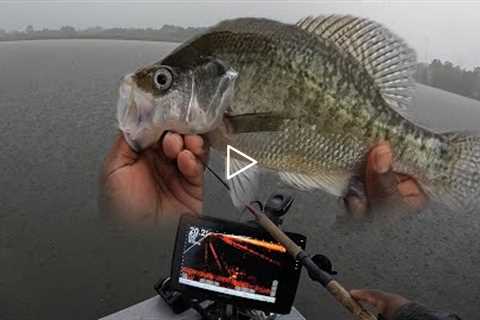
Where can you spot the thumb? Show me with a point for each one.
(381, 158)
(381, 182)
(120, 154)
(372, 297)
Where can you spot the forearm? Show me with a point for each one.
(415, 311)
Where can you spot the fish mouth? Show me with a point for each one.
(135, 110)
(137, 147)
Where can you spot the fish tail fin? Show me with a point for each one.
(462, 190)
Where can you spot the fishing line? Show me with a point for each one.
(227, 187)
(249, 207)
(215, 174)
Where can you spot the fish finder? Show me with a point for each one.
(234, 263)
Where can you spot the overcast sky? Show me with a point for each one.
(436, 29)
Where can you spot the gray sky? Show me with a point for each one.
(436, 29)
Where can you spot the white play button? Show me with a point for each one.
(251, 162)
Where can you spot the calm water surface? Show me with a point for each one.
(58, 259)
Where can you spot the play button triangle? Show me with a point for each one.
(251, 162)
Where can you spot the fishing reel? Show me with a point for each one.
(275, 208)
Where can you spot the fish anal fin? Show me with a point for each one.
(244, 187)
(333, 182)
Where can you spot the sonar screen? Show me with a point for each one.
(237, 263)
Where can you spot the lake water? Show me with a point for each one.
(58, 258)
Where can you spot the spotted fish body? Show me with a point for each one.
(311, 99)
(333, 110)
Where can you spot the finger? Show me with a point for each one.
(381, 181)
(355, 200)
(194, 143)
(412, 194)
(373, 297)
(190, 167)
(363, 295)
(409, 188)
(172, 144)
(356, 206)
(380, 186)
(381, 158)
(403, 177)
(120, 155)
(198, 146)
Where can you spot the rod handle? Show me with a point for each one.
(344, 297)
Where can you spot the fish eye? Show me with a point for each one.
(163, 78)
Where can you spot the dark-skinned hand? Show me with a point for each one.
(382, 184)
(385, 303)
(161, 180)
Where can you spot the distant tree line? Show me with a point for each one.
(448, 77)
(165, 33)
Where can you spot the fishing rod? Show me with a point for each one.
(314, 271)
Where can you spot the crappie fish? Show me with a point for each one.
(307, 101)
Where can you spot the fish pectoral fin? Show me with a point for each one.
(335, 182)
(385, 56)
(244, 186)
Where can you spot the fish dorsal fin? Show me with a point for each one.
(385, 56)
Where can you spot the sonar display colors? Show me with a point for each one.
(232, 264)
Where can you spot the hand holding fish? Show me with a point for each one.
(164, 179)
(381, 183)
